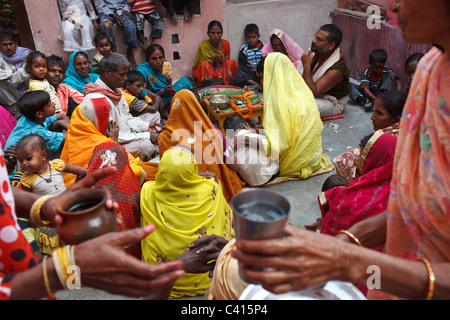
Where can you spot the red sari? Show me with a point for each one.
(123, 185)
(367, 195)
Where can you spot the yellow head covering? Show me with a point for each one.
(291, 119)
(184, 207)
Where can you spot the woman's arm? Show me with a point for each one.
(371, 232)
(303, 259)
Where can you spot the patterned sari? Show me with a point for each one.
(189, 126)
(184, 207)
(346, 163)
(203, 69)
(365, 196)
(419, 206)
(123, 185)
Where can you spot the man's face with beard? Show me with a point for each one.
(320, 44)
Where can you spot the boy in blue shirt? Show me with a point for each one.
(38, 118)
(249, 56)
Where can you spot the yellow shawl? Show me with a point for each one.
(292, 120)
(184, 207)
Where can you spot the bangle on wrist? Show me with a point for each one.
(352, 236)
(63, 258)
(431, 278)
(45, 275)
(35, 212)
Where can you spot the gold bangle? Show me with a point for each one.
(58, 268)
(44, 272)
(35, 212)
(352, 236)
(431, 278)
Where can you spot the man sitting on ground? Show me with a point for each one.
(325, 71)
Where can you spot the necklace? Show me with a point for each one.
(48, 180)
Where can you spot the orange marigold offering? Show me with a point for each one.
(236, 108)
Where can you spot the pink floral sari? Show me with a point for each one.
(419, 206)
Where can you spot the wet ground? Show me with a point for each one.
(337, 136)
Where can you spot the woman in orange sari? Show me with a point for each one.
(189, 126)
(89, 126)
(212, 63)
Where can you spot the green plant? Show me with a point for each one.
(6, 15)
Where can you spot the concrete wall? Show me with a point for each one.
(300, 19)
(359, 39)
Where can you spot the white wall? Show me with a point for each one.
(300, 19)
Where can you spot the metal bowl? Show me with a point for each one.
(220, 101)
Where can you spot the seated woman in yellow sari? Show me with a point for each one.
(291, 119)
(212, 63)
(89, 127)
(184, 206)
(189, 125)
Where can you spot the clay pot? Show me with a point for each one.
(85, 215)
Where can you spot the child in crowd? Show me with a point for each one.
(36, 66)
(256, 167)
(103, 45)
(410, 68)
(335, 180)
(376, 78)
(114, 12)
(249, 56)
(145, 10)
(385, 119)
(147, 109)
(39, 118)
(42, 177)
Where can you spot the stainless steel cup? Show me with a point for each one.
(256, 224)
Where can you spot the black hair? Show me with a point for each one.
(31, 56)
(54, 59)
(334, 34)
(101, 36)
(34, 141)
(33, 101)
(251, 28)
(260, 65)
(133, 76)
(378, 55)
(234, 122)
(393, 102)
(335, 180)
(112, 61)
(414, 57)
(214, 23)
(151, 49)
(6, 34)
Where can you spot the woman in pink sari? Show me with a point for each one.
(281, 42)
(7, 124)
